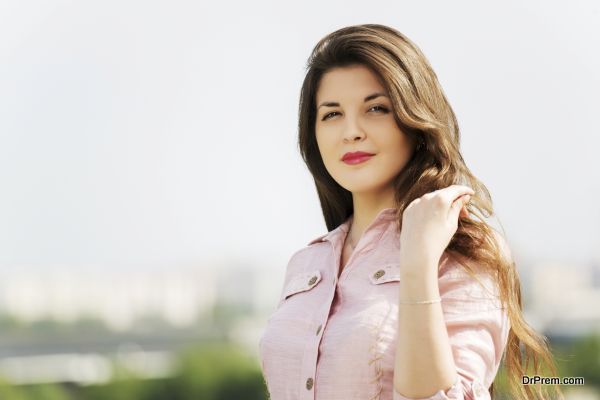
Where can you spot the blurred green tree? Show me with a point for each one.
(47, 392)
(218, 371)
(581, 359)
(9, 392)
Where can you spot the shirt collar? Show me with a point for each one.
(385, 215)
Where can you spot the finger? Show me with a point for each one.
(454, 192)
(458, 206)
(464, 212)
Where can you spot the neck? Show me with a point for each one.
(366, 208)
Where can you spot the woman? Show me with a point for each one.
(409, 296)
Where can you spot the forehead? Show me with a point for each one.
(351, 82)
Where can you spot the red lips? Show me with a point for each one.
(355, 155)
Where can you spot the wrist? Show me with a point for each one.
(420, 269)
(413, 288)
(413, 263)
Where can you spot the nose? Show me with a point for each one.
(352, 130)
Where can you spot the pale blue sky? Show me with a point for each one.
(138, 134)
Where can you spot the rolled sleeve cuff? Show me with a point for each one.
(475, 390)
(455, 392)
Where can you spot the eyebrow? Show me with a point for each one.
(334, 104)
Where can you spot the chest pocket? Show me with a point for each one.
(385, 273)
(302, 282)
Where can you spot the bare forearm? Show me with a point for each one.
(424, 363)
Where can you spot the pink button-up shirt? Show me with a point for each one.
(331, 338)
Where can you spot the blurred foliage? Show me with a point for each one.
(582, 358)
(207, 371)
(11, 392)
(48, 392)
(9, 323)
(224, 371)
(226, 314)
(11, 326)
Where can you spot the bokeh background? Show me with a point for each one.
(152, 191)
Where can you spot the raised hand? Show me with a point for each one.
(428, 224)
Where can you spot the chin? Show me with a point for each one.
(362, 188)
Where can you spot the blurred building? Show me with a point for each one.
(562, 300)
(116, 297)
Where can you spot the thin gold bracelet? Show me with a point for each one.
(438, 300)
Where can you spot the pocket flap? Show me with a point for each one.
(302, 282)
(385, 273)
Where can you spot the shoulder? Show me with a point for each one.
(302, 265)
(318, 239)
(313, 251)
(321, 238)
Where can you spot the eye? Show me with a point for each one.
(326, 116)
(381, 108)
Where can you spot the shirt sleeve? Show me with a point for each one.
(477, 329)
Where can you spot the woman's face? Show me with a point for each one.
(353, 124)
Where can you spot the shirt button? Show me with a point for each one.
(312, 281)
(379, 274)
(319, 329)
(309, 383)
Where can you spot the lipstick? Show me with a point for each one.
(356, 157)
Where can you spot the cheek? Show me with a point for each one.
(325, 146)
(401, 143)
(401, 150)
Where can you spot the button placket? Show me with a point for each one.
(311, 348)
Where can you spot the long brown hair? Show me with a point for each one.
(422, 112)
